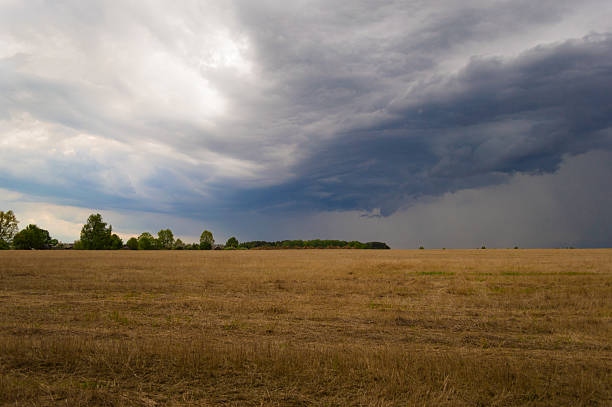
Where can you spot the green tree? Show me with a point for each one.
(115, 242)
(8, 227)
(165, 239)
(206, 240)
(32, 237)
(146, 241)
(95, 235)
(179, 245)
(132, 243)
(232, 243)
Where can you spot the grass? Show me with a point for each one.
(292, 328)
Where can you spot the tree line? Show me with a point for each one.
(312, 244)
(98, 235)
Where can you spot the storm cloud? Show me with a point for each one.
(296, 111)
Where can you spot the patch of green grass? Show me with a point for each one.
(379, 305)
(89, 385)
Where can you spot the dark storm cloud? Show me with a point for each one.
(494, 118)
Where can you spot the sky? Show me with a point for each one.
(449, 124)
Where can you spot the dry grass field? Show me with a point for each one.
(309, 327)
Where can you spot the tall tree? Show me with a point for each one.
(132, 243)
(146, 241)
(32, 237)
(232, 243)
(116, 242)
(95, 235)
(165, 239)
(206, 240)
(8, 226)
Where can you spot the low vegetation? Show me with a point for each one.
(302, 327)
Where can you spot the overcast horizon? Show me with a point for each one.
(449, 124)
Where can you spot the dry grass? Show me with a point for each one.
(288, 328)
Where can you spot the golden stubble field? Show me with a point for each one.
(306, 327)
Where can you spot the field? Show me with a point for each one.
(306, 327)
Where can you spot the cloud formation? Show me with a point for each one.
(212, 110)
